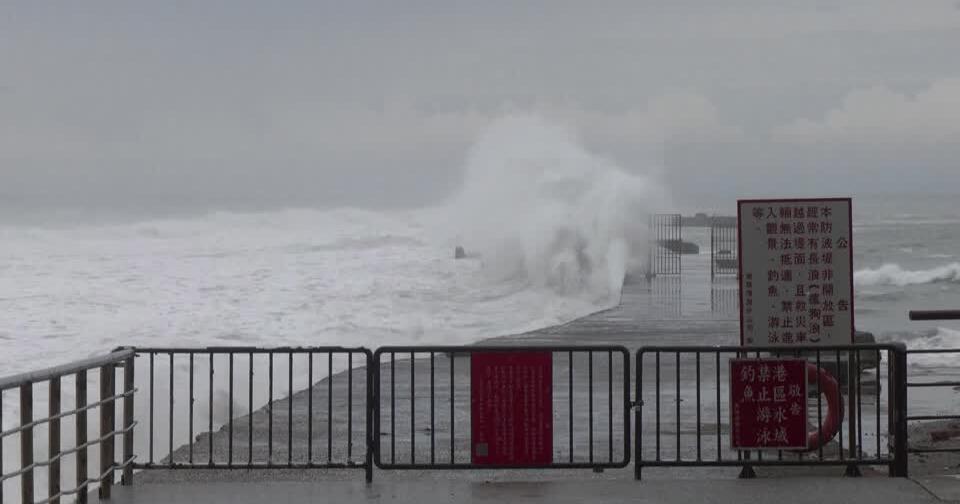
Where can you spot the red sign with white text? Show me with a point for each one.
(768, 404)
(511, 407)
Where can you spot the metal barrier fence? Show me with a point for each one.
(679, 421)
(423, 396)
(107, 407)
(307, 423)
(724, 260)
(936, 384)
(667, 247)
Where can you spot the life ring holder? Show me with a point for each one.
(831, 423)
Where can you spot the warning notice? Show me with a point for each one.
(796, 272)
(768, 403)
(511, 407)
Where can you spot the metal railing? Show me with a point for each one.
(254, 393)
(937, 384)
(723, 249)
(425, 413)
(680, 420)
(106, 405)
(667, 247)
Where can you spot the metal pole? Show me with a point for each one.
(26, 442)
(82, 437)
(53, 441)
(900, 461)
(128, 385)
(107, 409)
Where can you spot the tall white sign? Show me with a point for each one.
(796, 272)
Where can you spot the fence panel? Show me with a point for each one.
(256, 408)
(683, 412)
(425, 402)
(666, 249)
(63, 429)
(724, 259)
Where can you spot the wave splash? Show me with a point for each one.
(894, 275)
(538, 206)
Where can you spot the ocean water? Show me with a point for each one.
(549, 228)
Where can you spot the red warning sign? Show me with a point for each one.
(511, 407)
(768, 403)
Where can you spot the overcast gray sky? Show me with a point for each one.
(252, 104)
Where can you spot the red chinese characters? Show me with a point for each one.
(768, 403)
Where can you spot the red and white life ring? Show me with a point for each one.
(831, 424)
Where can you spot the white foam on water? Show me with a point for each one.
(893, 274)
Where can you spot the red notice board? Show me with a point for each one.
(768, 403)
(511, 408)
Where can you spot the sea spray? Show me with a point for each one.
(536, 205)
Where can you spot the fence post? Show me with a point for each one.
(128, 385)
(900, 463)
(107, 411)
(26, 442)
(82, 437)
(53, 441)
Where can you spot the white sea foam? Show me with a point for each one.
(893, 274)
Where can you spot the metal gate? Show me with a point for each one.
(683, 408)
(425, 402)
(666, 248)
(724, 260)
(213, 408)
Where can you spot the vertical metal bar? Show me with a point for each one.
(433, 428)
(657, 388)
(878, 404)
(107, 409)
(53, 440)
(719, 448)
(229, 412)
(900, 461)
(170, 439)
(310, 407)
(453, 425)
(129, 384)
(840, 428)
(678, 405)
(349, 406)
(699, 450)
(81, 435)
(413, 411)
(610, 404)
(290, 407)
(330, 407)
(190, 420)
(372, 412)
(1, 445)
(26, 442)
(270, 411)
(151, 405)
(856, 378)
(249, 408)
(590, 399)
(570, 400)
(393, 408)
(819, 411)
(210, 411)
(638, 419)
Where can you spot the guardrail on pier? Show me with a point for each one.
(678, 423)
(427, 425)
(308, 424)
(52, 380)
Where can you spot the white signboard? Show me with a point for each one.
(796, 272)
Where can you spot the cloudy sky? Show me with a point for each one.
(247, 104)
